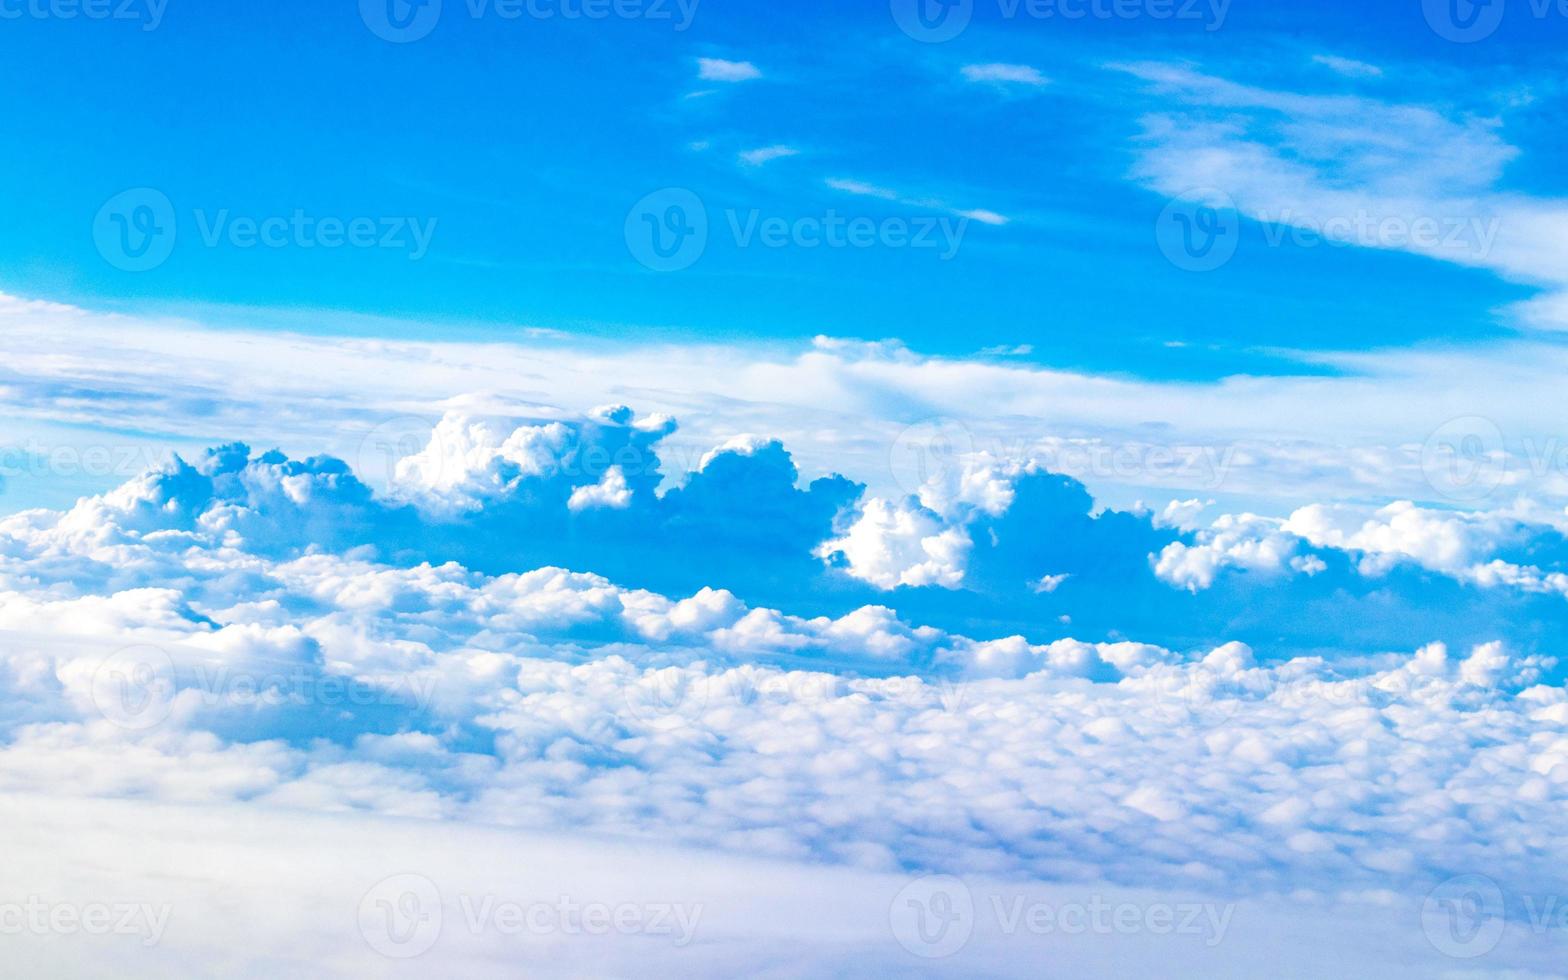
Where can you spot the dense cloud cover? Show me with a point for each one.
(989, 676)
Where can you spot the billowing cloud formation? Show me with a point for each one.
(253, 628)
(968, 553)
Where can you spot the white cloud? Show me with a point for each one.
(269, 893)
(1347, 66)
(892, 545)
(842, 405)
(1356, 170)
(862, 188)
(767, 154)
(1005, 74)
(554, 700)
(720, 70)
(983, 216)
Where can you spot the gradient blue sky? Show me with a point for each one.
(528, 140)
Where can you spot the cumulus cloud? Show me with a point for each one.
(841, 404)
(246, 628)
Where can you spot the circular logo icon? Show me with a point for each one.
(1464, 917)
(393, 441)
(932, 21)
(1464, 21)
(134, 687)
(400, 917)
(666, 699)
(933, 917)
(1193, 697)
(400, 21)
(667, 231)
(1465, 460)
(1199, 231)
(135, 229)
(929, 450)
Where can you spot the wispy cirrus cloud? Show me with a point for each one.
(1348, 67)
(1356, 170)
(721, 70)
(767, 154)
(1005, 75)
(862, 188)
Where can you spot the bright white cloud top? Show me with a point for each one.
(252, 630)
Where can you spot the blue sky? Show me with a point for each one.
(523, 143)
(933, 447)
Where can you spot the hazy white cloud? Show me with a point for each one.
(269, 892)
(1356, 170)
(720, 70)
(983, 216)
(1380, 422)
(862, 188)
(1005, 74)
(1347, 66)
(767, 154)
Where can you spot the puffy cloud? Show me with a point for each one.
(890, 545)
(1243, 541)
(343, 678)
